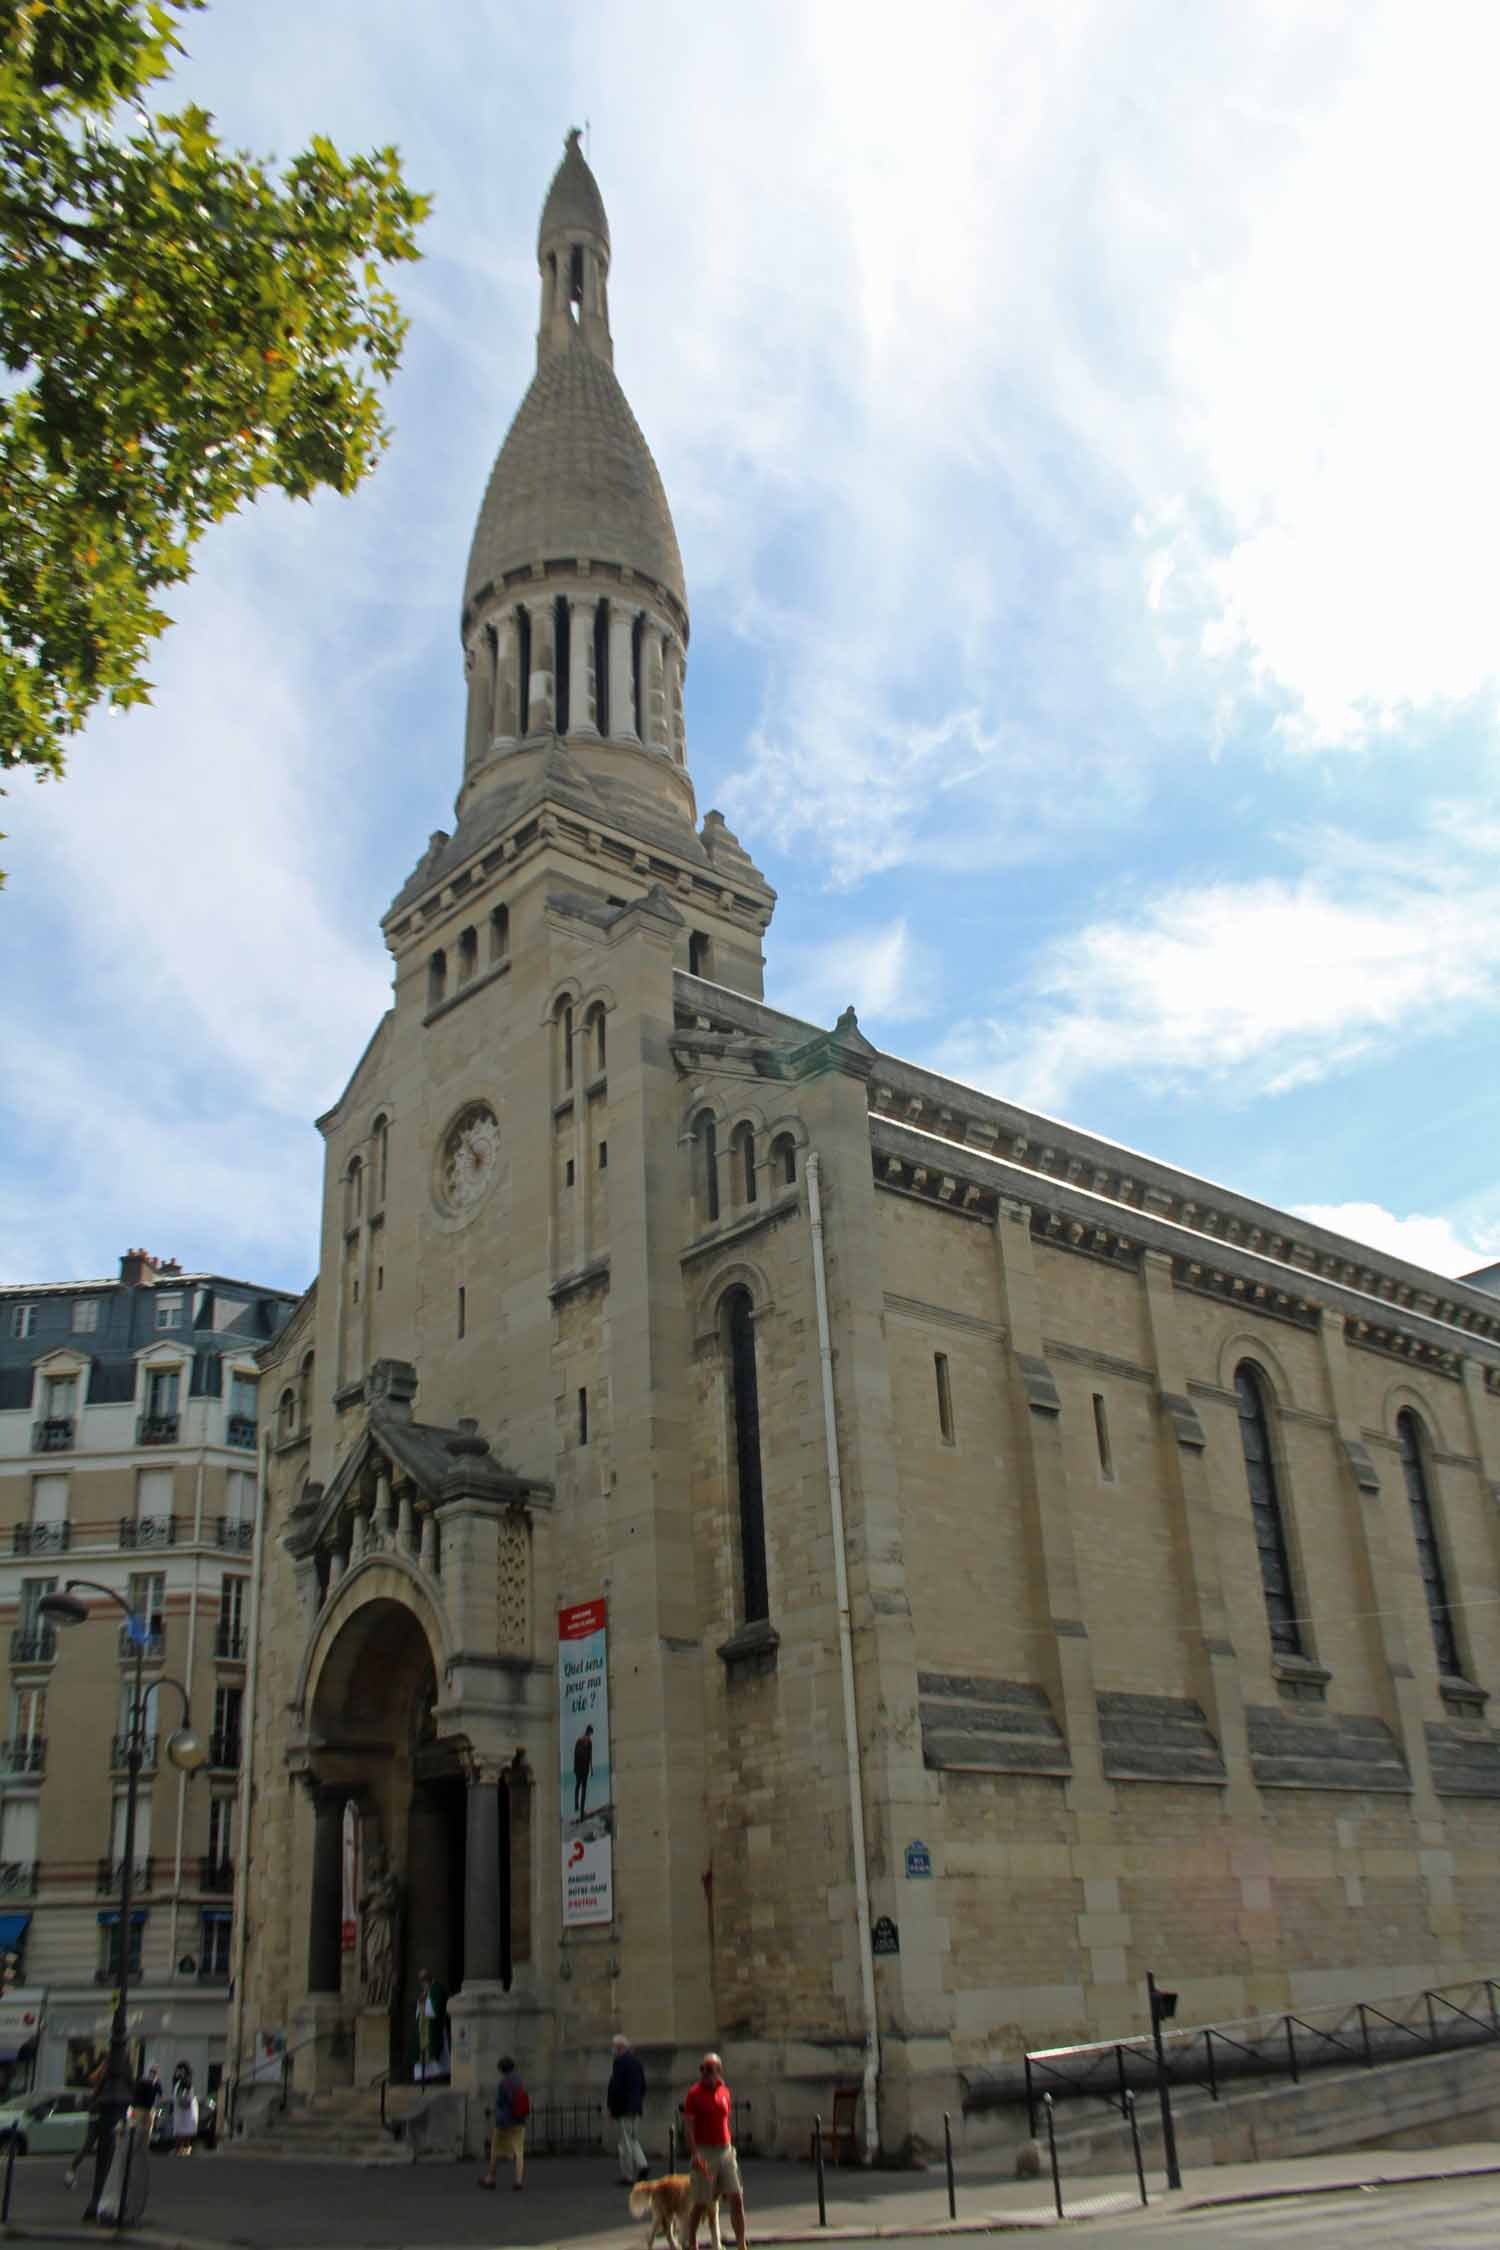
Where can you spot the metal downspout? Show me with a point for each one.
(870, 2105)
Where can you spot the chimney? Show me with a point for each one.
(168, 1267)
(136, 1267)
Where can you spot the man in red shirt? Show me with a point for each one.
(715, 2169)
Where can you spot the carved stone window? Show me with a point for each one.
(467, 1160)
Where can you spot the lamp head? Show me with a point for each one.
(187, 1749)
(63, 1609)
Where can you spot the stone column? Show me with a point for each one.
(582, 717)
(482, 1881)
(676, 667)
(360, 1533)
(336, 1563)
(653, 685)
(505, 717)
(406, 1530)
(541, 701)
(429, 1554)
(325, 1909)
(621, 675)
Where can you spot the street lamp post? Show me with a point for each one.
(186, 1751)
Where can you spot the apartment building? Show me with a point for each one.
(128, 1456)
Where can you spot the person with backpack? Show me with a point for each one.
(508, 2133)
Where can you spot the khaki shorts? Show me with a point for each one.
(506, 2140)
(721, 2176)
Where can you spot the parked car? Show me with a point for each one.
(48, 2124)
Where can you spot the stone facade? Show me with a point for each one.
(957, 1674)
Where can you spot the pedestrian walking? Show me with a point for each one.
(715, 2170)
(184, 2110)
(625, 2101)
(94, 2082)
(508, 2133)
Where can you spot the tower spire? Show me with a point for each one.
(572, 253)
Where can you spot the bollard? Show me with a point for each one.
(10, 2180)
(1135, 2142)
(948, 2158)
(1052, 2152)
(818, 2162)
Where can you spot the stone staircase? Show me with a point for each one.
(339, 2127)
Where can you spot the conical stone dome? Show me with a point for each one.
(575, 478)
(573, 200)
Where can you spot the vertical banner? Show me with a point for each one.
(586, 1798)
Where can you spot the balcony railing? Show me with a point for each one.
(224, 1748)
(229, 1644)
(25, 1753)
(215, 1875)
(235, 1534)
(210, 1972)
(110, 1973)
(33, 1644)
(148, 1531)
(111, 1870)
(153, 1645)
(18, 1877)
(119, 1751)
(241, 1429)
(157, 1429)
(53, 1434)
(40, 1538)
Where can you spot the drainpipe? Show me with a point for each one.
(241, 1939)
(869, 2107)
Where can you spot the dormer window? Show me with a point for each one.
(22, 1319)
(168, 1312)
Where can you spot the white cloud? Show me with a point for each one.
(1254, 988)
(885, 973)
(1430, 1242)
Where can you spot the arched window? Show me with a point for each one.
(354, 1192)
(706, 1133)
(1265, 1509)
(563, 1019)
(784, 1160)
(437, 977)
(742, 1143)
(286, 1414)
(1429, 1553)
(593, 1032)
(380, 1136)
(499, 932)
(744, 1397)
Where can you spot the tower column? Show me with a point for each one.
(621, 675)
(541, 699)
(653, 685)
(582, 715)
(505, 717)
(482, 1880)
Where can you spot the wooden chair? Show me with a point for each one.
(839, 2144)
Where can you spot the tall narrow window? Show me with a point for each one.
(1265, 1509)
(468, 954)
(784, 1160)
(739, 1320)
(699, 953)
(354, 1192)
(583, 1417)
(744, 1162)
(523, 671)
(637, 636)
(562, 628)
(463, 1312)
(601, 665)
(944, 1397)
(379, 1162)
(1429, 1553)
(437, 977)
(565, 1047)
(1101, 1439)
(594, 1036)
(708, 1165)
(499, 932)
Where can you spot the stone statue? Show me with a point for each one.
(378, 1912)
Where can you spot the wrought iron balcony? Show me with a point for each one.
(153, 1647)
(33, 1644)
(235, 1534)
(40, 1538)
(148, 1531)
(111, 1870)
(18, 1877)
(216, 1875)
(242, 1429)
(24, 1753)
(119, 1751)
(229, 1644)
(157, 1429)
(53, 1434)
(224, 1748)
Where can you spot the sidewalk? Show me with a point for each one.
(258, 2203)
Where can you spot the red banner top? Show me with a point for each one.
(577, 1623)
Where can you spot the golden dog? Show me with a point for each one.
(669, 2200)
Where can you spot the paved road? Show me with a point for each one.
(1446, 2215)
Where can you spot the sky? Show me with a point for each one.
(1079, 426)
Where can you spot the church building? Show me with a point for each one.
(761, 1544)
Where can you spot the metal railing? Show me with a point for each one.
(224, 1748)
(152, 1644)
(18, 1877)
(157, 1429)
(111, 1870)
(234, 1533)
(33, 1644)
(148, 1531)
(119, 1751)
(215, 1875)
(1433, 2021)
(229, 1644)
(563, 2128)
(24, 1753)
(241, 1429)
(40, 1539)
(53, 1434)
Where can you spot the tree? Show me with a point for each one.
(181, 329)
